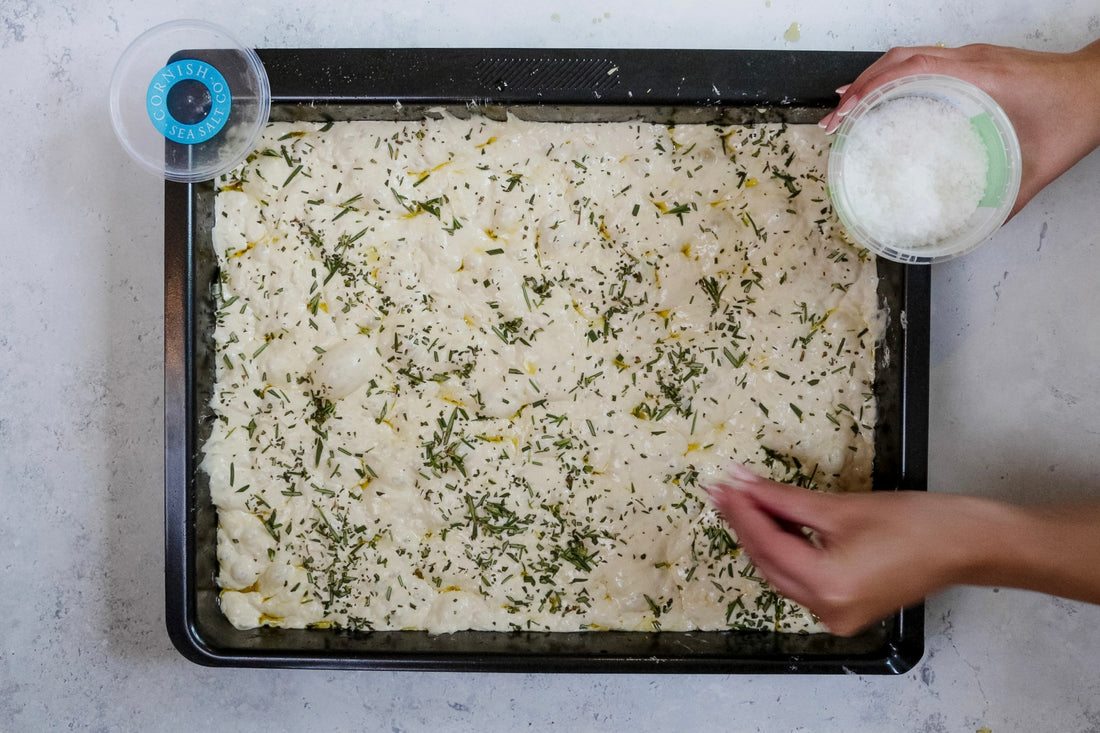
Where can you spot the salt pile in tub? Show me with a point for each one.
(915, 171)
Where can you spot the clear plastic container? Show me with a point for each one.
(1002, 183)
(188, 101)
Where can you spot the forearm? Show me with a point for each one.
(1059, 119)
(1088, 66)
(1053, 548)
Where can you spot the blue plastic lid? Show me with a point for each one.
(188, 101)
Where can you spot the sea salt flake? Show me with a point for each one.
(915, 171)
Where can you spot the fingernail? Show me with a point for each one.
(842, 89)
(740, 470)
(716, 496)
(846, 106)
(728, 466)
(824, 123)
(720, 487)
(740, 476)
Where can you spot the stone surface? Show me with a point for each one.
(1015, 408)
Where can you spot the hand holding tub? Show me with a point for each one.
(1053, 99)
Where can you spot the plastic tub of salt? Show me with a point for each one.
(924, 168)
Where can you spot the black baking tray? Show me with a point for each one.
(667, 86)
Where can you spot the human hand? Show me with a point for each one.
(1052, 99)
(869, 554)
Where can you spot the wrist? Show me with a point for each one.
(994, 540)
(1087, 71)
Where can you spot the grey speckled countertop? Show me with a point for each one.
(1015, 403)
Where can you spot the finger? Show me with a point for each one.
(765, 537)
(894, 64)
(885, 67)
(785, 503)
(824, 122)
(787, 561)
(794, 586)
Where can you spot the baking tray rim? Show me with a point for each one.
(899, 643)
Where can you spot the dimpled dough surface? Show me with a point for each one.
(472, 374)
